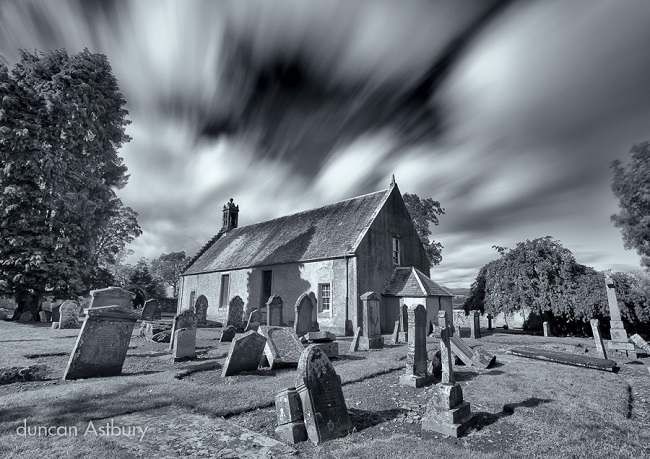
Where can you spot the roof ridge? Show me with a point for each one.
(417, 273)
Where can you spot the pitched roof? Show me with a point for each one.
(330, 231)
(410, 282)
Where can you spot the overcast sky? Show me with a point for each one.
(288, 105)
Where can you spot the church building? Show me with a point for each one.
(334, 254)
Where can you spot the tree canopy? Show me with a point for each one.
(424, 213)
(631, 185)
(168, 267)
(62, 121)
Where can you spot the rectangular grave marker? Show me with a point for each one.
(185, 344)
(283, 348)
(598, 338)
(245, 353)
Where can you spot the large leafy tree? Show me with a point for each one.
(62, 121)
(631, 185)
(169, 267)
(424, 213)
(142, 277)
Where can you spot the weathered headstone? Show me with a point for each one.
(111, 296)
(598, 338)
(102, 343)
(245, 353)
(402, 336)
(395, 337)
(482, 359)
(566, 358)
(475, 325)
(149, 329)
(235, 313)
(69, 315)
(417, 373)
(274, 311)
(184, 344)
(371, 329)
(477, 357)
(489, 319)
(21, 374)
(56, 313)
(288, 412)
(324, 409)
(354, 345)
(330, 349)
(201, 309)
(283, 347)
(446, 412)
(304, 312)
(547, 329)
(228, 334)
(149, 310)
(253, 322)
(619, 343)
(184, 319)
(320, 337)
(43, 315)
(640, 342)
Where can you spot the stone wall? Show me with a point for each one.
(514, 320)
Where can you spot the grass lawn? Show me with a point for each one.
(523, 407)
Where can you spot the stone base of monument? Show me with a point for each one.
(416, 381)
(622, 349)
(375, 342)
(447, 413)
(293, 432)
(402, 337)
(330, 349)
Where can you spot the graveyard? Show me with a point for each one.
(187, 407)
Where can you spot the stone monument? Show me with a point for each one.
(417, 373)
(274, 311)
(371, 329)
(619, 344)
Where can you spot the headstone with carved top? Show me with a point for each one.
(417, 372)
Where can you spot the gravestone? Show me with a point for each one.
(395, 337)
(320, 337)
(102, 343)
(566, 358)
(56, 313)
(598, 338)
(245, 353)
(111, 296)
(274, 311)
(228, 334)
(547, 329)
(283, 348)
(475, 326)
(477, 357)
(69, 315)
(354, 345)
(235, 312)
(371, 329)
(489, 319)
(149, 310)
(640, 342)
(446, 412)
(253, 322)
(324, 410)
(184, 319)
(402, 336)
(184, 344)
(288, 412)
(201, 309)
(417, 373)
(619, 343)
(304, 312)
(330, 349)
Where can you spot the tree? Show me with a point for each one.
(631, 185)
(169, 267)
(142, 276)
(424, 213)
(62, 121)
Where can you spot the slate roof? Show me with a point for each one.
(410, 282)
(330, 231)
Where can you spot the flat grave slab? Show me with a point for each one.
(566, 359)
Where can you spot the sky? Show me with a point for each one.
(509, 115)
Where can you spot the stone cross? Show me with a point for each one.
(445, 349)
(274, 311)
(600, 348)
(371, 330)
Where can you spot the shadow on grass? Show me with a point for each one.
(46, 354)
(363, 419)
(149, 354)
(208, 366)
(350, 357)
(483, 419)
(142, 373)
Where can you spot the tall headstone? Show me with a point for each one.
(201, 309)
(288, 412)
(184, 319)
(547, 329)
(245, 353)
(184, 344)
(69, 315)
(283, 347)
(402, 336)
(235, 314)
(489, 319)
(111, 296)
(598, 338)
(394, 339)
(324, 409)
(102, 343)
(354, 345)
(274, 311)
(446, 412)
(304, 313)
(417, 373)
(619, 343)
(150, 310)
(253, 322)
(475, 325)
(371, 330)
(56, 313)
